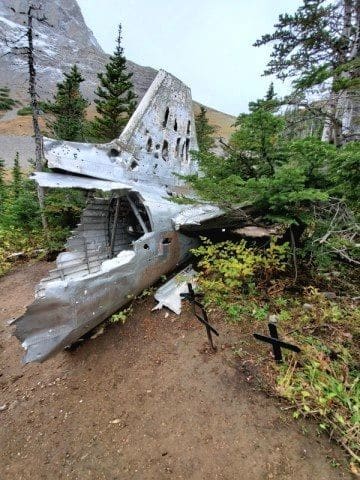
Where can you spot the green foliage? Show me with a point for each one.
(12, 241)
(204, 131)
(345, 174)
(68, 108)
(23, 211)
(228, 267)
(285, 194)
(305, 43)
(286, 181)
(27, 109)
(16, 177)
(20, 221)
(3, 189)
(116, 100)
(317, 46)
(326, 383)
(121, 316)
(255, 142)
(24, 111)
(63, 207)
(6, 102)
(245, 285)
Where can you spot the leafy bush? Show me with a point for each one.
(289, 182)
(20, 222)
(13, 241)
(24, 111)
(6, 102)
(246, 285)
(227, 267)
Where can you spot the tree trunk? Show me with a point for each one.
(35, 112)
(342, 122)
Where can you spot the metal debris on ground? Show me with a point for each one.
(169, 294)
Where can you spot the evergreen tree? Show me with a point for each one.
(318, 43)
(116, 102)
(270, 94)
(16, 177)
(204, 131)
(6, 103)
(68, 108)
(2, 185)
(255, 143)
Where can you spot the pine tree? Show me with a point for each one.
(16, 177)
(319, 43)
(2, 185)
(116, 102)
(254, 144)
(6, 103)
(204, 131)
(270, 94)
(68, 108)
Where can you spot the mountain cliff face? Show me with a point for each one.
(62, 41)
(59, 43)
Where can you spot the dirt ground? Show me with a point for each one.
(145, 400)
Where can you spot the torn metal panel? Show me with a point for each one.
(68, 308)
(195, 215)
(204, 217)
(154, 147)
(92, 281)
(61, 180)
(169, 294)
(126, 241)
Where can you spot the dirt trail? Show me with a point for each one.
(146, 400)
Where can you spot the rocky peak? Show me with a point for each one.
(64, 16)
(59, 43)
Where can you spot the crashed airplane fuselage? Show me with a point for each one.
(129, 236)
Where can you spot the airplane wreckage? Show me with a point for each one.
(129, 236)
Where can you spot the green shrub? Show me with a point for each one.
(23, 111)
(228, 268)
(6, 102)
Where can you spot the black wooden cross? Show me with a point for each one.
(202, 315)
(275, 342)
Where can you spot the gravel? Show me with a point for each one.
(10, 144)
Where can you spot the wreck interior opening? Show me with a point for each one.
(128, 220)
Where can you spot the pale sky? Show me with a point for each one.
(205, 43)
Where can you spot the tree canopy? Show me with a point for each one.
(116, 99)
(68, 108)
(316, 46)
(204, 130)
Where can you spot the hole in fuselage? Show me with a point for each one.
(187, 145)
(149, 145)
(133, 164)
(166, 241)
(177, 148)
(114, 153)
(166, 117)
(165, 150)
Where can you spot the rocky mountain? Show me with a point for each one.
(62, 41)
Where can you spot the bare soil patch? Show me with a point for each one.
(146, 400)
